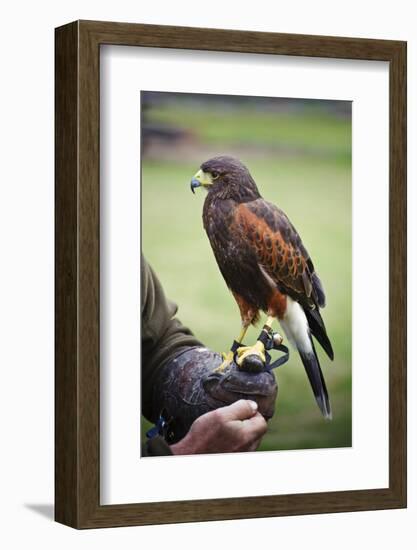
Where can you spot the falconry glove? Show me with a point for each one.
(187, 387)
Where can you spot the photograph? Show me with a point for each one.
(246, 273)
(230, 268)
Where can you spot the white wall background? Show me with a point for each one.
(26, 275)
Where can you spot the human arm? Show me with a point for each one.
(178, 380)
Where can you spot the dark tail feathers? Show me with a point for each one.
(315, 376)
(318, 330)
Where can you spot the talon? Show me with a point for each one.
(227, 361)
(258, 350)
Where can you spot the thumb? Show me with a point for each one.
(240, 410)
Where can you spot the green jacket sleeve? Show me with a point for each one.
(163, 335)
(156, 446)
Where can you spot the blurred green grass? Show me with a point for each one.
(314, 130)
(315, 192)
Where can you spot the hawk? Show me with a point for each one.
(265, 265)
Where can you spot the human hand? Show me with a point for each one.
(237, 427)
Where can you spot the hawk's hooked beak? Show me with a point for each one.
(201, 179)
(194, 183)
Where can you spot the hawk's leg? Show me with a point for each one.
(254, 356)
(228, 356)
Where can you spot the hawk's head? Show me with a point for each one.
(227, 178)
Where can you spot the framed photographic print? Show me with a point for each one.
(236, 192)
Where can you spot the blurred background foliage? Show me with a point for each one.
(299, 153)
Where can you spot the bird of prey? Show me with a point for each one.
(266, 266)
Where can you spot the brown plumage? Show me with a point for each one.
(264, 262)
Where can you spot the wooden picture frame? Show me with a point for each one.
(77, 373)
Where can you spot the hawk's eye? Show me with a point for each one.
(214, 175)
